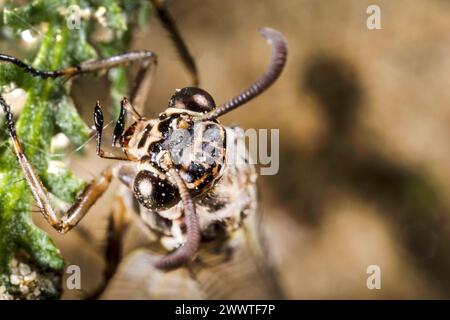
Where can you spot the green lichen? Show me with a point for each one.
(49, 110)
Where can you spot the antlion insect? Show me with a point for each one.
(159, 160)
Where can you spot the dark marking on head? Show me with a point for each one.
(163, 126)
(195, 171)
(125, 138)
(144, 136)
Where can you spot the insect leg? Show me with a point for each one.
(116, 228)
(91, 193)
(38, 73)
(143, 56)
(147, 62)
(169, 24)
(118, 221)
(141, 85)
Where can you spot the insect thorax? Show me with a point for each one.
(196, 148)
(221, 209)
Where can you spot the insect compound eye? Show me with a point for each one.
(154, 192)
(193, 99)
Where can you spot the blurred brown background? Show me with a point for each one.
(363, 117)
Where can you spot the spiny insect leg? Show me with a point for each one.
(83, 203)
(169, 24)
